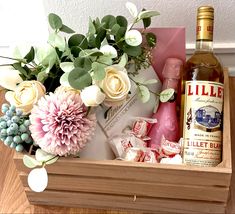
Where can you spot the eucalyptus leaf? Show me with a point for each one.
(120, 34)
(64, 80)
(45, 55)
(52, 160)
(151, 39)
(42, 156)
(78, 40)
(42, 76)
(30, 56)
(166, 94)
(83, 62)
(91, 29)
(101, 34)
(92, 41)
(55, 21)
(115, 29)
(97, 23)
(18, 67)
(99, 71)
(147, 14)
(45, 157)
(150, 82)
(57, 41)
(75, 51)
(146, 21)
(108, 21)
(30, 162)
(143, 93)
(122, 21)
(132, 9)
(67, 66)
(123, 61)
(132, 50)
(66, 29)
(107, 60)
(79, 78)
(90, 52)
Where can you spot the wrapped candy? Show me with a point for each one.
(168, 148)
(120, 143)
(177, 159)
(140, 155)
(142, 126)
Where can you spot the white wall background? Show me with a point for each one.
(25, 20)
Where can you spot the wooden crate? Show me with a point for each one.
(151, 188)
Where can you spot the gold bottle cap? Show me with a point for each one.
(205, 12)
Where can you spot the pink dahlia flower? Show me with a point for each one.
(60, 124)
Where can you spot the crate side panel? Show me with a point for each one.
(151, 173)
(123, 187)
(124, 202)
(227, 157)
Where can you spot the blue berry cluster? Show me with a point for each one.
(14, 128)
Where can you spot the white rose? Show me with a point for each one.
(115, 85)
(26, 94)
(9, 77)
(133, 37)
(92, 96)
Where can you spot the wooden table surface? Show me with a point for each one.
(13, 198)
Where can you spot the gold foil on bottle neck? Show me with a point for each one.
(205, 12)
(205, 22)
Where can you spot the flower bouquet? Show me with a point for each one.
(53, 91)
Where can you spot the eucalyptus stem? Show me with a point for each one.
(6, 57)
(139, 83)
(6, 65)
(44, 163)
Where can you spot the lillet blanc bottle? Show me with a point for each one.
(202, 97)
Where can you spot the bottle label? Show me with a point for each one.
(205, 29)
(203, 123)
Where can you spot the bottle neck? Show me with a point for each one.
(206, 46)
(170, 83)
(204, 41)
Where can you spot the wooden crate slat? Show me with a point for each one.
(78, 199)
(226, 153)
(123, 187)
(152, 173)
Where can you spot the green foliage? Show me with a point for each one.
(66, 29)
(78, 40)
(121, 21)
(143, 93)
(30, 162)
(30, 56)
(79, 78)
(123, 60)
(146, 21)
(132, 50)
(151, 39)
(99, 71)
(83, 62)
(80, 56)
(55, 21)
(147, 14)
(166, 95)
(41, 158)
